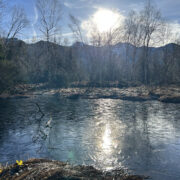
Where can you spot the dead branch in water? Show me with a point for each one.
(39, 110)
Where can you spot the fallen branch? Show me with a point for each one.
(39, 110)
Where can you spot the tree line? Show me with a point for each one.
(123, 54)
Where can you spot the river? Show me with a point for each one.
(143, 137)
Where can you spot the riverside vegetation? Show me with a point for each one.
(124, 63)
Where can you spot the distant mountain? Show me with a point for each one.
(37, 59)
(81, 50)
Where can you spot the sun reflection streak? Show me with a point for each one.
(107, 140)
(107, 135)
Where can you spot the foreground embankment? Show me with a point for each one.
(167, 94)
(38, 169)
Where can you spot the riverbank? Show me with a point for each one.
(167, 94)
(53, 170)
(164, 94)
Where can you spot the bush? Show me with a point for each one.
(9, 75)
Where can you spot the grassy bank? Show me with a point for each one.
(167, 94)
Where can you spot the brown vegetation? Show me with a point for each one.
(167, 94)
(38, 169)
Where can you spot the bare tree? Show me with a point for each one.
(95, 37)
(49, 17)
(105, 59)
(133, 32)
(18, 21)
(2, 5)
(49, 20)
(1, 15)
(100, 54)
(142, 29)
(132, 36)
(151, 23)
(75, 28)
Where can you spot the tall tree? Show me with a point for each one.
(18, 21)
(50, 12)
(142, 29)
(49, 18)
(151, 23)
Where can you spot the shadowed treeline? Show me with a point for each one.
(124, 55)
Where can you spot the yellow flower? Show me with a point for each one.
(1, 171)
(20, 163)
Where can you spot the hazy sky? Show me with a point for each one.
(84, 9)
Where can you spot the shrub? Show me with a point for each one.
(9, 75)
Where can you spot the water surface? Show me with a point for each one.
(143, 137)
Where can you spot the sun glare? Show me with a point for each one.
(105, 19)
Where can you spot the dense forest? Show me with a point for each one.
(134, 53)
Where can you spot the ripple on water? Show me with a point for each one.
(107, 133)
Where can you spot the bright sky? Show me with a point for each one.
(100, 11)
(104, 20)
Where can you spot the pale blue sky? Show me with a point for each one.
(83, 9)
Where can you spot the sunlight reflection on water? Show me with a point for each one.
(106, 133)
(107, 140)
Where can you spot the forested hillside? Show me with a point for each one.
(59, 66)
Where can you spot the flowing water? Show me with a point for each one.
(143, 137)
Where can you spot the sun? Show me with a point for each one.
(105, 19)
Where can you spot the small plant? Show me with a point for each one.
(20, 163)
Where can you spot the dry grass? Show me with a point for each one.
(38, 169)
